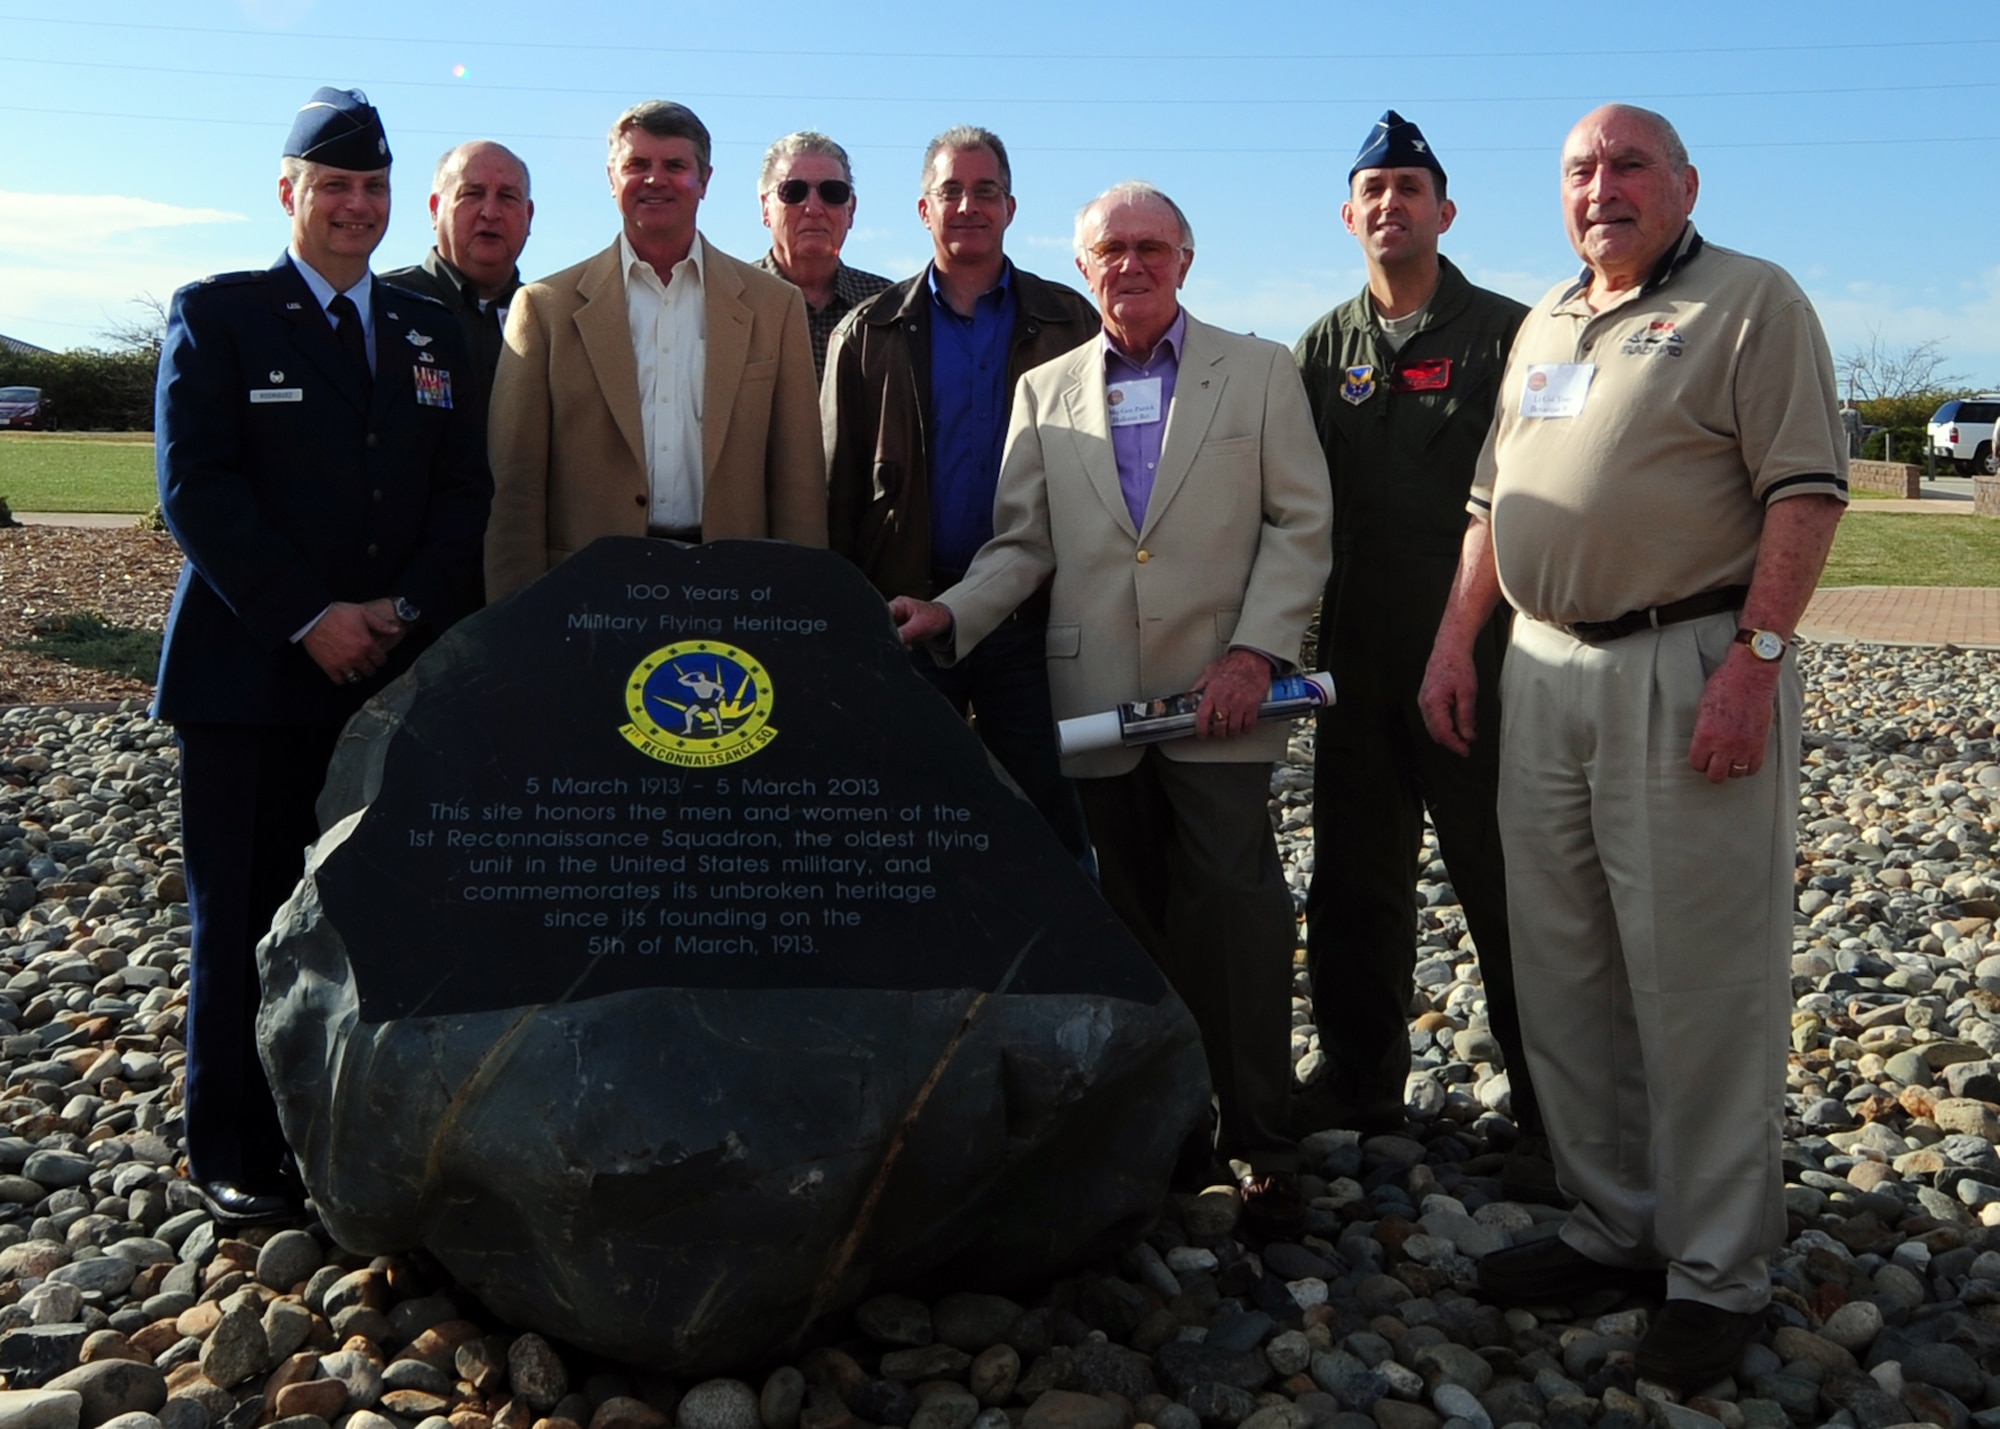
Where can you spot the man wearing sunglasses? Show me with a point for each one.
(807, 192)
(1402, 380)
(914, 403)
(660, 388)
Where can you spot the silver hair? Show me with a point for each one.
(1131, 191)
(966, 136)
(806, 141)
(455, 158)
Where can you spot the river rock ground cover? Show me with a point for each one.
(122, 1303)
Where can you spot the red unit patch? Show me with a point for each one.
(1433, 374)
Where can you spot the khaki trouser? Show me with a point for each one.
(1651, 914)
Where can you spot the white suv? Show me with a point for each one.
(1962, 433)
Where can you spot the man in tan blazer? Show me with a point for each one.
(1167, 482)
(661, 387)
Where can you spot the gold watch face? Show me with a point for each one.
(1766, 644)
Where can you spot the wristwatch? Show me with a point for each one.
(1766, 645)
(410, 615)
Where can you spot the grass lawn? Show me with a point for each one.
(75, 471)
(1882, 549)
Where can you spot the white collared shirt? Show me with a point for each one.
(669, 326)
(359, 294)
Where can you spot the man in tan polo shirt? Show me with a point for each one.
(1656, 499)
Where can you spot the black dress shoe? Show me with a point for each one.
(234, 1205)
(1691, 1345)
(1552, 1272)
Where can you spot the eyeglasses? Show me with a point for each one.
(832, 192)
(1153, 252)
(985, 191)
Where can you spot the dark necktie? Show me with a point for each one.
(348, 334)
(490, 340)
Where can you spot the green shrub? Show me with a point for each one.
(93, 390)
(1910, 445)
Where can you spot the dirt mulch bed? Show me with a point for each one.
(125, 575)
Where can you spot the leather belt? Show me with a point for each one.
(1709, 602)
(687, 535)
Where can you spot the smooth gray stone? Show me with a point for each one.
(287, 1258)
(114, 1387)
(40, 1408)
(58, 1168)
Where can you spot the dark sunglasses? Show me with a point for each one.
(832, 192)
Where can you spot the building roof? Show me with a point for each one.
(14, 347)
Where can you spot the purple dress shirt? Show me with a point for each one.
(1137, 447)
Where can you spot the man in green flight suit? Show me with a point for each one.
(1402, 381)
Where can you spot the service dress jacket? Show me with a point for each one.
(1234, 549)
(291, 482)
(569, 441)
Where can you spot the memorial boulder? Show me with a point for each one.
(674, 967)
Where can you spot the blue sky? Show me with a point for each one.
(1860, 149)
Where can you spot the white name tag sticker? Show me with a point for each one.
(1556, 389)
(1134, 403)
(277, 394)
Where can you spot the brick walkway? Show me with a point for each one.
(1905, 615)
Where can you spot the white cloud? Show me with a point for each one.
(61, 228)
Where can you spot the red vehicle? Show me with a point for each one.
(26, 409)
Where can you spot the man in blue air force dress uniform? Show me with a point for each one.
(322, 467)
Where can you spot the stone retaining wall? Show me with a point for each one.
(1986, 495)
(1897, 478)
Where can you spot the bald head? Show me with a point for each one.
(481, 212)
(1628, 190)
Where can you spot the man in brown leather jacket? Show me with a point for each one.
(919, 383)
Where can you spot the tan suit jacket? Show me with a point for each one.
(1235, 546)
(567, 440)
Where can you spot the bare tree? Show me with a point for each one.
(1876, 373)
(143, 334)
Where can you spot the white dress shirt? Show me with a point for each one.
(669, 326)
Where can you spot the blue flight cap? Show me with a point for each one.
(339, 127)
(1395, 143)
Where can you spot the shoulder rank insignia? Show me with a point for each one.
(1360, 384)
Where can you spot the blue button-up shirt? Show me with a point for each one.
(969, 399)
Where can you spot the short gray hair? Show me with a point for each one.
(806, 141)
(664, 119)
(455, 158)
(1132, 191)
(967, 136)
